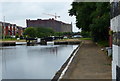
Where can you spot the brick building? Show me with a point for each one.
(57, 26)
(9, 29)
(19, 30)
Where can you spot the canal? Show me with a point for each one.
(34, 62)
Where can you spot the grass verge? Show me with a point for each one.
(13, 39)
(103, 43)
(85, 38)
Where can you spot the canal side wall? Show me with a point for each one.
(67, 43)
(7, 43)
(42, 43)
(60, 73)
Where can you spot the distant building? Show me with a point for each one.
(57, 26)
(19, 30)
(9, 29)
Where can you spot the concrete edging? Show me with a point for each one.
(60, 73)
(7, 43)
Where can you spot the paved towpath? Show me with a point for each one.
(89, 63)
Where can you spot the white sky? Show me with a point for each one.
(17, 12)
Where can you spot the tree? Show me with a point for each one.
(44, 32)
(30, 32)
(38, 32)
(92, 17)
(58, 34)
(82, 12)
(100, 22)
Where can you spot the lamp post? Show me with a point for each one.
(3, 27)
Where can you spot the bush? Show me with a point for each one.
(103, 43)
(17, 36)
(39, 32)
(86, 34)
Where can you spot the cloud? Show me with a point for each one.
(1, 14)
(35, 0)
(15, 10)
(18, 12)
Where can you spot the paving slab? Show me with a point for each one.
(90, 62)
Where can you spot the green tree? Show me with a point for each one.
(86, 34)
(58, 33)
(82, 12)
(30, 32)
(92, 17)
(44, 32)
(38, 32)
(100, 22)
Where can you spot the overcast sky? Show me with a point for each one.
(17, 12)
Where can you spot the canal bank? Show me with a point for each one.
(89, 62)
(7, 43)
(58, 42)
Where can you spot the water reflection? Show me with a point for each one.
(34, 62)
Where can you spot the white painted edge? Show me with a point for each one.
(63, 72)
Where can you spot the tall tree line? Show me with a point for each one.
(92, 17)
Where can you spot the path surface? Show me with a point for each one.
(89, 63)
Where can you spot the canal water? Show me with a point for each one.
(34, 62)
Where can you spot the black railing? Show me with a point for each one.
(117, 73)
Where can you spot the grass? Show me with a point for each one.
(100, 43)
(66, 39)
(103, 43)
(9, 39)
(13, 39)
(85, 38)
(72, 39)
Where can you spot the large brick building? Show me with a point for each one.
(57, 26)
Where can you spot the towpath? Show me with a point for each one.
(89, 63)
